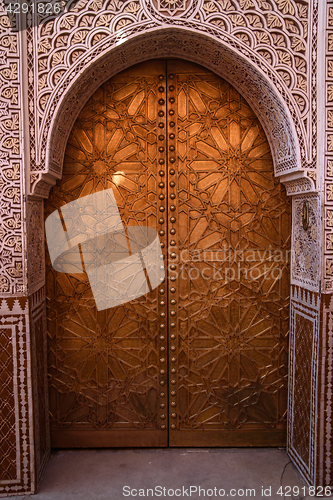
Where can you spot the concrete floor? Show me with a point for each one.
(103, 474)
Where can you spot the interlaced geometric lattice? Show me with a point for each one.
(233, 230)
(232, 291)
(8, 467)
(172, 7)
(228, 224)
(103, 365)
(302, 392)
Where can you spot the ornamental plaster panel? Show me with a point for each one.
(35, 245)
(12, 275)
(17, 468)
(299, 185)
(303, 382)
(328, 150)
(265, 48)
(305, 264)
(37, 306)
(325, 409)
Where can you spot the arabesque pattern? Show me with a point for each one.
(12, 263)
(218, 198)
(305, 409)
(279, 38)
(273, 34)
(17, 470)
(104, 366)
(231, 288)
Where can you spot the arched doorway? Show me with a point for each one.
(202, 359)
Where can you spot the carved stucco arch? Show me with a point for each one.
(240, 71)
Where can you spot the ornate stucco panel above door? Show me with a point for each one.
(278, 39)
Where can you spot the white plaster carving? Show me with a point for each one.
(303, 382)
(14, 329)
(12, 266)
(305, 264)
(328, 200)
(278, 38)
(257, 91)
(266, 48)
(35, 245)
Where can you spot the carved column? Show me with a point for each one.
(325, 416)
(269, 51)
(23, 419)
(310, 442)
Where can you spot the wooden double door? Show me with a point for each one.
(202, 359)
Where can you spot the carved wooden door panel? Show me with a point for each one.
(108, 368)
(229, 301)
(184, 154)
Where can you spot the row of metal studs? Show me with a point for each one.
(162, 209)
(173, 255)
